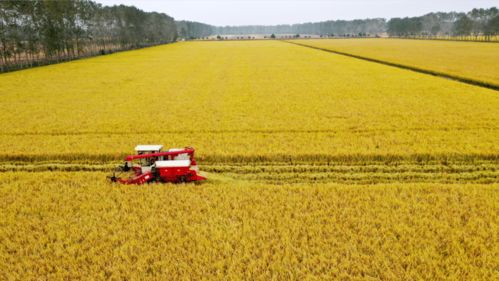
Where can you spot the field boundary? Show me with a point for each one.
(390, 38)
(8, 68)
(465, 80)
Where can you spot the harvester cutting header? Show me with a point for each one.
(150, 164)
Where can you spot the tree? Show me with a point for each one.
(463, 26)
(194, 30)
(492, 27)
(435, 29)
(272, 36)
(405, 26)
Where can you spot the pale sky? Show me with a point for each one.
(271, 12)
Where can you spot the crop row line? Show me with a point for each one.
(284, 177)
(375, 179)
(421, 158)
(275, 169)
(354, 169)
(403, 174)
(250, 131)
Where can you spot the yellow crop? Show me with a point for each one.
(473, 38)
(472, 60)
(320, 167)
(263, 98)
(74, 225)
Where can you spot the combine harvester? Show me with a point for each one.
(176, 165)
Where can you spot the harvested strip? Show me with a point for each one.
(482, 171)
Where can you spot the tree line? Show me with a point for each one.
(332, 27)
(478, 22)
(194, 30)
(338, 27)
(39, 32)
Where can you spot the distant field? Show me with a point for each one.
(476, 38)
(255, 99)
(472, 60)
(76, 226)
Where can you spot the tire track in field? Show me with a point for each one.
(465, 80)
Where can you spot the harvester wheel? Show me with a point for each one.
(182, 179)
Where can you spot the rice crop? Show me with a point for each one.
(74, 225)
(468, 60)
(319, 166)
(254, 100)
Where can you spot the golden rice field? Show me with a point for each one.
(260, 98)
(469, 60)
(319, 166)
(67, 226)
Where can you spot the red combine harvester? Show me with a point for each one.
(175, 165)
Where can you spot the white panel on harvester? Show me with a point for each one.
(148, 147)
(173, 163)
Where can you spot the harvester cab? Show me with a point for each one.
(147, 163)
(150, 164)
